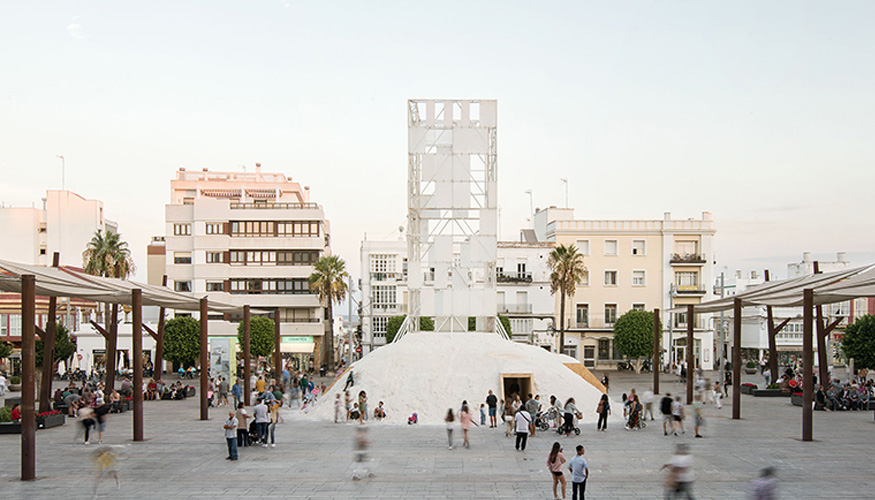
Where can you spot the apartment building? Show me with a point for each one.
(522, 289)
(249, 238)
(634, 264)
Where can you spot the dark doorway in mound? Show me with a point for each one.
(516, 383)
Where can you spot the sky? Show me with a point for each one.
(762, 113)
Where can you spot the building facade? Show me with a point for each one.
(634, 264)
(249, 238)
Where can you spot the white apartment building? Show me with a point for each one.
(634, 264)
(523, 289)
(249, 238)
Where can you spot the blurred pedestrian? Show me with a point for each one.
(104, 460)
(680, 475)
(450, 420)
(765, 487)
(361, 445)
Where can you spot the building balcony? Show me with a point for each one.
(272, 206)
(387, 308)
(514, 308)
(386, 277)
(690, 290)
(514, 278)
(688, 258)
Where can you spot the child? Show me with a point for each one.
(450, 419)
(338, 407)
(361, 450)
(413, 419)
(354, 413)
(380, 412)
(579, 473)
(482, 414)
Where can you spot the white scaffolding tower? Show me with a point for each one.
(452, 203)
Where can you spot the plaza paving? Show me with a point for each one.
(184, 458)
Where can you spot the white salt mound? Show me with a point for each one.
(429, 372)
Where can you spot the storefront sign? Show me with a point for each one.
(297, 340)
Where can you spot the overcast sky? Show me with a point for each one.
(760, 112)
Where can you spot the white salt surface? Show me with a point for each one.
(429, 372)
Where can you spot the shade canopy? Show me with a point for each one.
(837, 286)
(66, 282)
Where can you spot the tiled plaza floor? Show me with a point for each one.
(184, 458)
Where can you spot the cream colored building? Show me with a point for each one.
(634, 264)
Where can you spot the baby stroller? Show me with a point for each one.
(564, 428)
(542, 421)
(636, 420)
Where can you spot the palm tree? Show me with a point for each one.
(328, 282)
(568, 271)
(107, 255)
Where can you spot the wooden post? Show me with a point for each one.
(137, 340)
(822, 334)
(45, 393)
(205, 372)
(28, 372)
(655, 365)
(807, 362)
(691, 356)
(773, 341)
(159, 342)
(111, 343)
(277, 355)
(247, 359)
(736, 359)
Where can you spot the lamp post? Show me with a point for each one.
(565, 181)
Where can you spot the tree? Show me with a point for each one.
(426, 324)
(506, 324)
(261, 335)
(182, 340)
(328, 282)
(472, 323)
(566, 264)
(5, 349)
(859, 342)
(633, 335)
(65, 346)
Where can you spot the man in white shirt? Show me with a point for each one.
(681, 475)
(579, 474)
(231, 435)
(522, 419)
(2, 385)
(261, 421)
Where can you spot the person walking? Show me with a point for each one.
(522, 419)
(665, 408)
(677, 415)
(603, 409)
(274, 419)
(350, 381)
(554, 464)
(363, 407)
(570, 412)
(648, 404)
(492, 404)
(579, 474)
(261, 421)
(237, 392)
(509, 415)
(465, 420)
(231, 435)
(765, 487)
(533, 406)
(338, 408)
(450, 420)
(104, 459)
(698, 418)
(606, 382)
(223, 391)
(717, 394)
(242, 428)
(680, 476)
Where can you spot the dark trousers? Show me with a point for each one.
(232, 448)
(578, 487)
(685, 488)
(242, 437)
(521, 438)
(88, 424)
(603, 421)
(262, 431)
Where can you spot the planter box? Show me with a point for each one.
(14, 387)
(748, 389)
(50, 421)
(11, 402)
(750, 371)
(795, 400)
(10, 427)
(769, 393)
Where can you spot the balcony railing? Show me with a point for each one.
(514, 278)
(515, 308)
(273, 206)
(385, 276)
(300, 320)
(385, 307)
(690, 290)
(688, 258)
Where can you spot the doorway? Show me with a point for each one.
(516, 383)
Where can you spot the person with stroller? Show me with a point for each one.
(570, 412)
(634, 421)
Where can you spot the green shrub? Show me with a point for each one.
(5, 414)
(751, 364)
(15, 380)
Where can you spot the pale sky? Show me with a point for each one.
(759, 112)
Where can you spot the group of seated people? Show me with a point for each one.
(88, 395)
(849, 397)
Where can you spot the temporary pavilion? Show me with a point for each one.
(809, 292)
(53, 282)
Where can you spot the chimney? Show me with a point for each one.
(258, 168)
(841, 257)
(666, 215)
(706, 215)
(806, 257)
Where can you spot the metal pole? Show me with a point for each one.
(45, 394)
(63, 172)
(721, 347)
(247, 385)
(655, 365)
(807, 362)
(349, 322)
(205, 371)
(691, 357)
(277, 355)
(159, 343)
(137, 339)
(28, 370)
(736, 359)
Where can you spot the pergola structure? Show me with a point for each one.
(53, 282)
(808, 292)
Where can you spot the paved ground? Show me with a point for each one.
(184, 458)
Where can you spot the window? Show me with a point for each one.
(638, 247)
(214, 257)
(42, 251)
(215, 286)
(182, 257)
(378, 325)
(182, 229)
(383, 263)
(521, 268)
(604, 349)
(582, 246)
(638, 278)
(182, 286)
(680, 320)
(686, 248)
(584, 279)
(610, 278)
(610, 314)
(214, 228)
(582, 315)
(188, 201)
(611, 247)
(274, 228)
(273, 286)
(687, 280)
(638, 307)
(383, 296)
